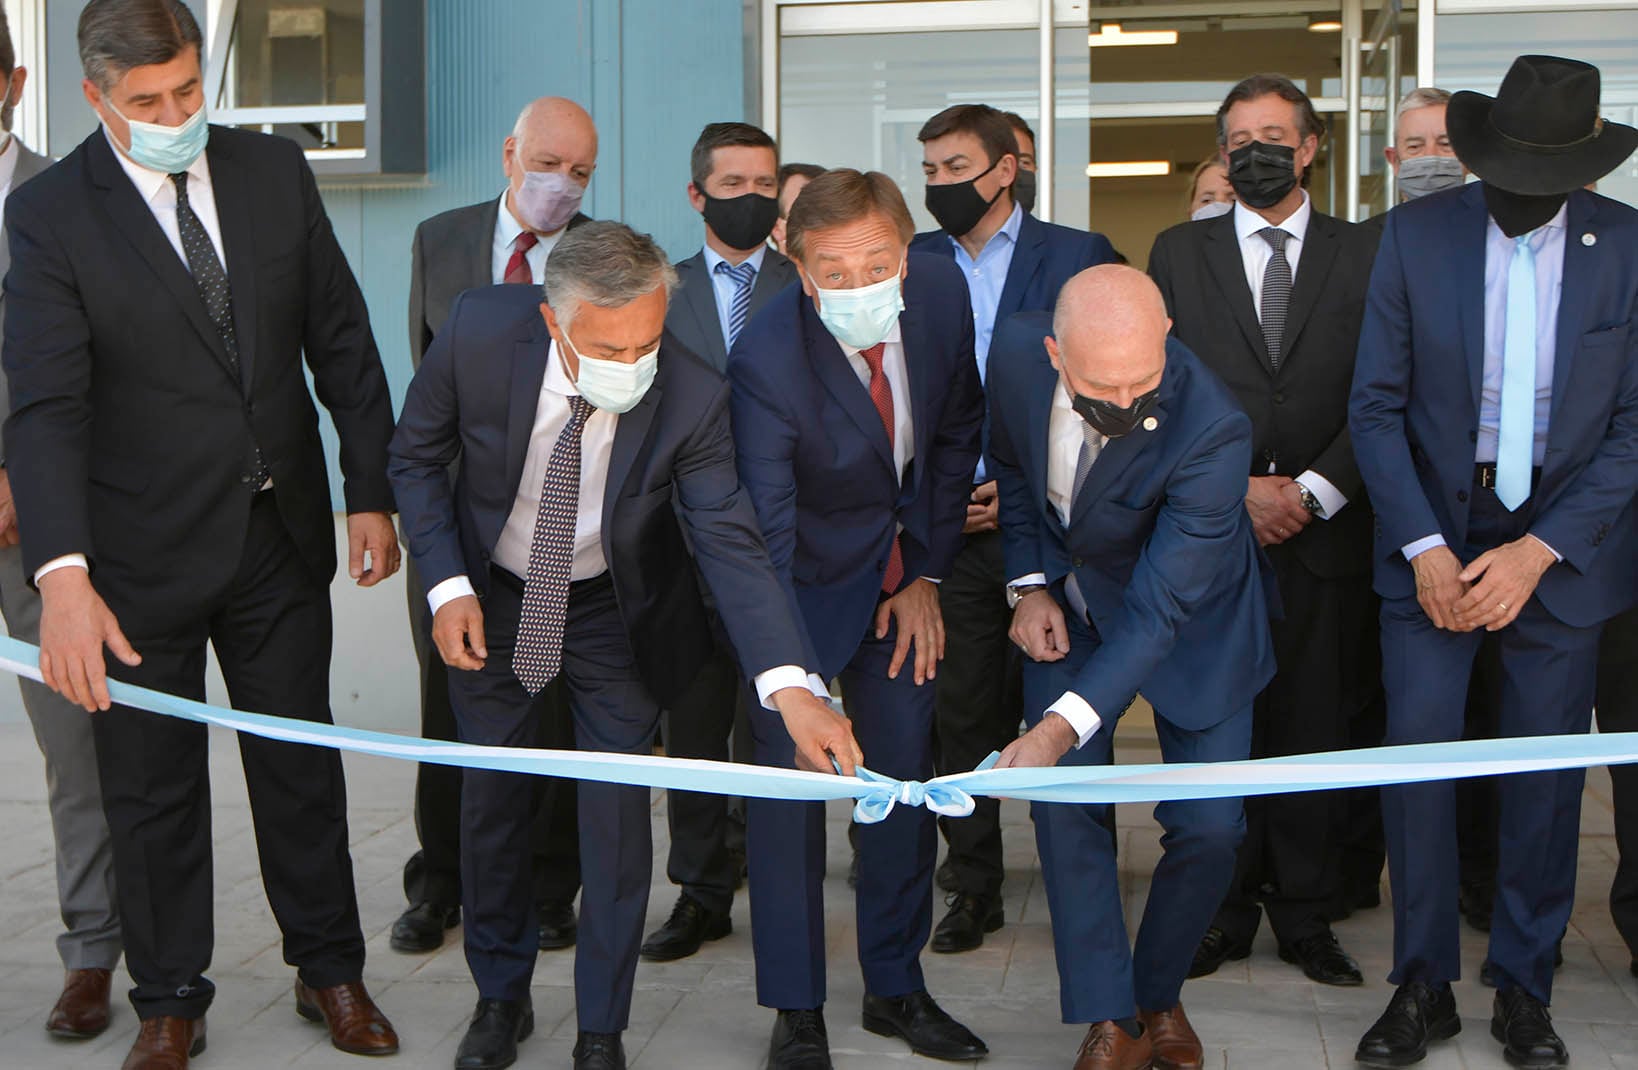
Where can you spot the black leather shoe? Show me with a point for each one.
(1418, 1014)
(691, 924)
(1322, 959)
(1216, 948)
(558, 927)
(799, 1042)
(970, 917)
(1525, 1030)
(422, 927)
(1489, 976)
(1476, 903)
(945, 877)
(491, 1041)
(923, 1025)
(599, 1051)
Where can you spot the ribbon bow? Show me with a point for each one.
(886, 793)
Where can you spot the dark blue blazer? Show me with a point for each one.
(1159, 540)
(672, 459)
(1415, 404)
(815, 459)
(1046, 257)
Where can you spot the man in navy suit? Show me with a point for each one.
(1122, 463)
(1012, 263)
(1501, 454)
(857, 413)
(589, 441)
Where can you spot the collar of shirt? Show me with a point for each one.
(893, 338)
(1539, 236)
(149, 183)
(1009, 231)
(557, 375)
(507, 227)
(1247, 223)
(713, 258)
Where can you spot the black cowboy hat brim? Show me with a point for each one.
(1537, 172)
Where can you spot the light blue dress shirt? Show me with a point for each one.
(986, 278)
(724, 287)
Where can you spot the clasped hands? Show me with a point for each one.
(1489, 593)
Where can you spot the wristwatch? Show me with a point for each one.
(1016, 592)
(1309, 502)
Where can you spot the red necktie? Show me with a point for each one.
(517, 268)
(881, 393)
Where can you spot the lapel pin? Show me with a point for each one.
(1150, 423)
(1589, 239)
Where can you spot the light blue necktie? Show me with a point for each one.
(1516, 435)
(739, 309)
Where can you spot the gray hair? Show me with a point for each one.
(117, 35)
(1423, 96)
(606, 264)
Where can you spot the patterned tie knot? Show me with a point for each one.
(525, 241)
(1275, 237)
(741, 273)
(873, 358)
(180, 180)
(579, 410)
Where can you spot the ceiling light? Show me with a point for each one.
(1129, 169)
(1109, 33)
(1324, 24)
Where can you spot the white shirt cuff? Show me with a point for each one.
(1029, 581)
(1422, 545)
(65, 561)
(1081, 716)
(782, 676)
(446, 592)
(1544, 542)
(1330, 498)
(932, 581)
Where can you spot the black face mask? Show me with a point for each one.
(959, 206)
(1109, 419)
(1023, 189)
(1262, 173)
(1520, 213)
(742, 222)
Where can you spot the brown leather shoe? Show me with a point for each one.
(1109, 1047)
(356, 1024)
(1172, 1037)
(166, 1044)
(82, 1010)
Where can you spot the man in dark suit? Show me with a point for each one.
(1122, 464)
(89, 944)
(168, 279)
(1268, 297)
(857, 413)
(548, 159)
(1495, 421)
(1618, 712)
(1013, 263)
(590, 443)
(734, 186)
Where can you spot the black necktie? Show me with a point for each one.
(545, 612)
(1276, 292)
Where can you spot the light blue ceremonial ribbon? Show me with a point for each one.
(877, 795)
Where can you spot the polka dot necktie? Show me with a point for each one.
(517, 268)
(1276, 292)
(881, 393)
(743, 275)
(212, 283)
(539, 652)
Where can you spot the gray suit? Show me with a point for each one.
(85, 858)
(693, 318)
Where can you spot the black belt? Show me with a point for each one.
(1484, 475)
(515, 583)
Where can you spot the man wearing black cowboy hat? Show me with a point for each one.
(1501, 457)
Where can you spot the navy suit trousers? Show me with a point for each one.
(1547, 675)
(1099, 975)
(785, 846)
(612, 711)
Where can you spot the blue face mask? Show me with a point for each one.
(865, 315)
(169, 150)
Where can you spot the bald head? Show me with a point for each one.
(1109, 334)
(552, 134)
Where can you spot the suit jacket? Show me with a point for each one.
(131, 439)
(815, 459)
(452, 251)
(29, 164)
(1159, 540)
(1415, 405)
(1046, 257)
(692, 317)
(1299, 414)
(673, 459)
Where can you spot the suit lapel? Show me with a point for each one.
(630, 432)
(1041, 392)
(234, 212)
(1026, 260)
(1471, 234)
(776, 274)
(700, 295)
(831, 365)
(1117, 456)
(922, 418)
(528, 372)
(476, 266)
(1580, 268)
(136, 221)
(1229, 270)
(1319, 254)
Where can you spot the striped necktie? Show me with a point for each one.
(539, 651)
(1276, 292)
(739, 309)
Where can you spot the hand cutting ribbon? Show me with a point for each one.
(877, 795)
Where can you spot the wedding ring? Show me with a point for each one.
(1502, 606)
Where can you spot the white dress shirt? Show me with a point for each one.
(158, 192)
(725, 288)
(507, 229)
(1064, 439)
(898, 377)
(517, 536)
(1255, 253)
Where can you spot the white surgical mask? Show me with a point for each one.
(169, 150)
(864, 315)
(611, 385)
(1212, 210)
(547, 200)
